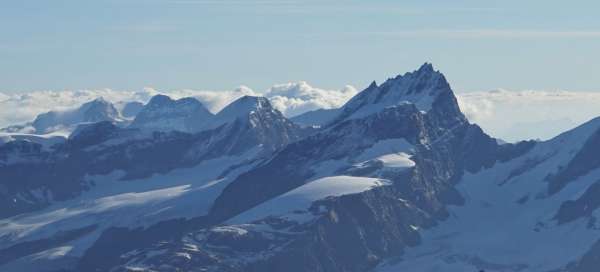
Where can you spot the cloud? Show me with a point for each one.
(481, 34)
(299, 97)
(215, 100)
(24, 107)
(290, 98)
(518, 115)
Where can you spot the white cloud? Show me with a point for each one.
(24, 107)
(299, 97)
(216, 100)
(482, 34)
(518, 115)
(291, 99)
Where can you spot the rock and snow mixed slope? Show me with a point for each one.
(104, 177)
(513, 219)
(300, 199)
(395, 180)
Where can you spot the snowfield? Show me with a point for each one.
(302, 197)
(132, 203)
(398, 160)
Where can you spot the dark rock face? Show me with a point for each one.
(354, 234)
(24, 249)
(585, 160)
(589, 262)
(114, 242)
(584, 206)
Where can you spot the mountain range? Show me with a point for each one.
(397, 179)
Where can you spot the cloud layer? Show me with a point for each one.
(299, 97)
(24, 107)
(290, 98)
(517, 115)
(509, 115)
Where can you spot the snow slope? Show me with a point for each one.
(318, 117)
(132, 203)
(302, 197)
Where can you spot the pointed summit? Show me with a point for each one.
(426, 68)
(243, 107)
(424, 87)
(99, 110)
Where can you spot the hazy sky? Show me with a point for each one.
(212, 44)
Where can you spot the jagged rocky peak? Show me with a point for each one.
(423, 87)
(372, 85)
(252, 121)
(165, 114)
(244, 106)
(248, 109)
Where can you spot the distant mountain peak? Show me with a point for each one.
(162, 113)
(416, 81)
(95, 110)
(160, 99)
(100, 99)
(426, 68)
(244, 105)
(372, 85)
(99, 108)
(422, 87)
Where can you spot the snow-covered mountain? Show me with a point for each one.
(165, 114)
(55, 123)
(397, 179)
(94, 111)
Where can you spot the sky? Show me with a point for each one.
(520, 69)
(219, 45)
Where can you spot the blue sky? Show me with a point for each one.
(211, 44)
